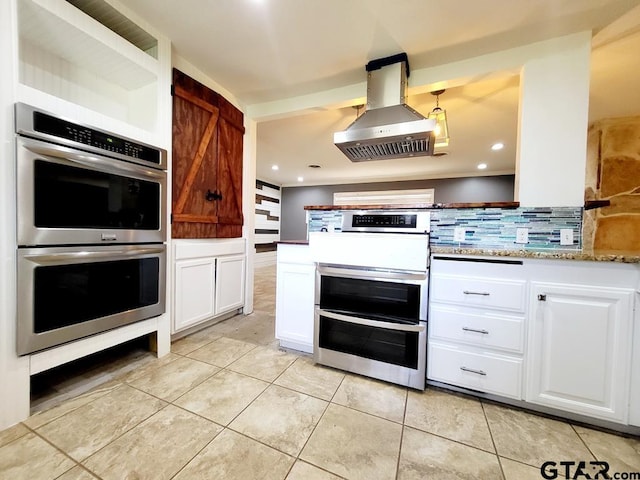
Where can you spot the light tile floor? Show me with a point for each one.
(228, 404)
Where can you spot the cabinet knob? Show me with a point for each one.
(542, 297)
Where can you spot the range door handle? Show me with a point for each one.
(420, 327)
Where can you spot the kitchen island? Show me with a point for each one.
(552, 328)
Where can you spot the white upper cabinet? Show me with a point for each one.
(73, 65)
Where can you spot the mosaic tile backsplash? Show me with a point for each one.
(487, 228)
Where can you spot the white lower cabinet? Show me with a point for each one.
(194, 300)
(560, 335)
(295, 291)
(477, 324)
(209, 280)
(230, 272)
(634, 402)
(580, 348)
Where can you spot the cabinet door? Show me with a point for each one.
(295, 288)
(194, 291)
(580, 348)
(230, 273)
(207, 162)
(229, 204)
(194, 159)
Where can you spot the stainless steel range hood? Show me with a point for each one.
(389, 128)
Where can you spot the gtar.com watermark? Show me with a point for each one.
(592, 470)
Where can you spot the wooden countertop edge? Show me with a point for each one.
(416, 206)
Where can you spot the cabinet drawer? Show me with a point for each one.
(496, 293)
(484, 329)
(482, 371)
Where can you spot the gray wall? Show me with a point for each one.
(448, 190)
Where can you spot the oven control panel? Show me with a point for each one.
(381, 221)
(36, 123)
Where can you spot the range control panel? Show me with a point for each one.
(385, 222)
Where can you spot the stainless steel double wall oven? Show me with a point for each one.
(91, 227)
(371, 295)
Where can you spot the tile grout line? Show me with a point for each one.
(315, 427)
(493, 442)
(404, 418)
(573, 427)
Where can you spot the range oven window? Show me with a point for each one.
(71, 197)
(78, 292)
(371, 298)
(376, 343)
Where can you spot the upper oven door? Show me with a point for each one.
(399, 297)
(67, 196)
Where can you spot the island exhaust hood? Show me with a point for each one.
(389, 128)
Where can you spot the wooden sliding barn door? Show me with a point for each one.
(207, 162)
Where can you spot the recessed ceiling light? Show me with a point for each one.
(482, 166)
(275, 167)
(300, 179)
(497, 146)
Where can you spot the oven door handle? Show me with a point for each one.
(373, 323)
(369, 273)
(109, 165)
(82, 255)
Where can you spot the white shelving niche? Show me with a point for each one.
(69, 62)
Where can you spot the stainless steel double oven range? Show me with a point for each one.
(91, 215)
(371, 295)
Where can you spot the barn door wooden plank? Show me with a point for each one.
(196, 163)
(195, 125)
(230, 218)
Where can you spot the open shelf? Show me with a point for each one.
(65, 53)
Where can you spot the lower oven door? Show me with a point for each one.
(386, 350)
(67, 293)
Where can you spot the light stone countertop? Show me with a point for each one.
(581, 255)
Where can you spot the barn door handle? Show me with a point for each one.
(211, 196)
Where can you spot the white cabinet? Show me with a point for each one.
(476, 324)
(634, 403)
(209, 279)
(580, 348)
(230, 273)
(194, 291)
(295, 287)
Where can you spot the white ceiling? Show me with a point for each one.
(269, 50)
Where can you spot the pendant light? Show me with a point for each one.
(440, 116)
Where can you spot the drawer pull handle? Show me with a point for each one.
(468, 292)
(471, 370)
(483, 331)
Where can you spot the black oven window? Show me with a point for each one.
(70, 197)
(371, 298)
(75, 293)
(376, 343)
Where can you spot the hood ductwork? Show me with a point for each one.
(389, 128)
